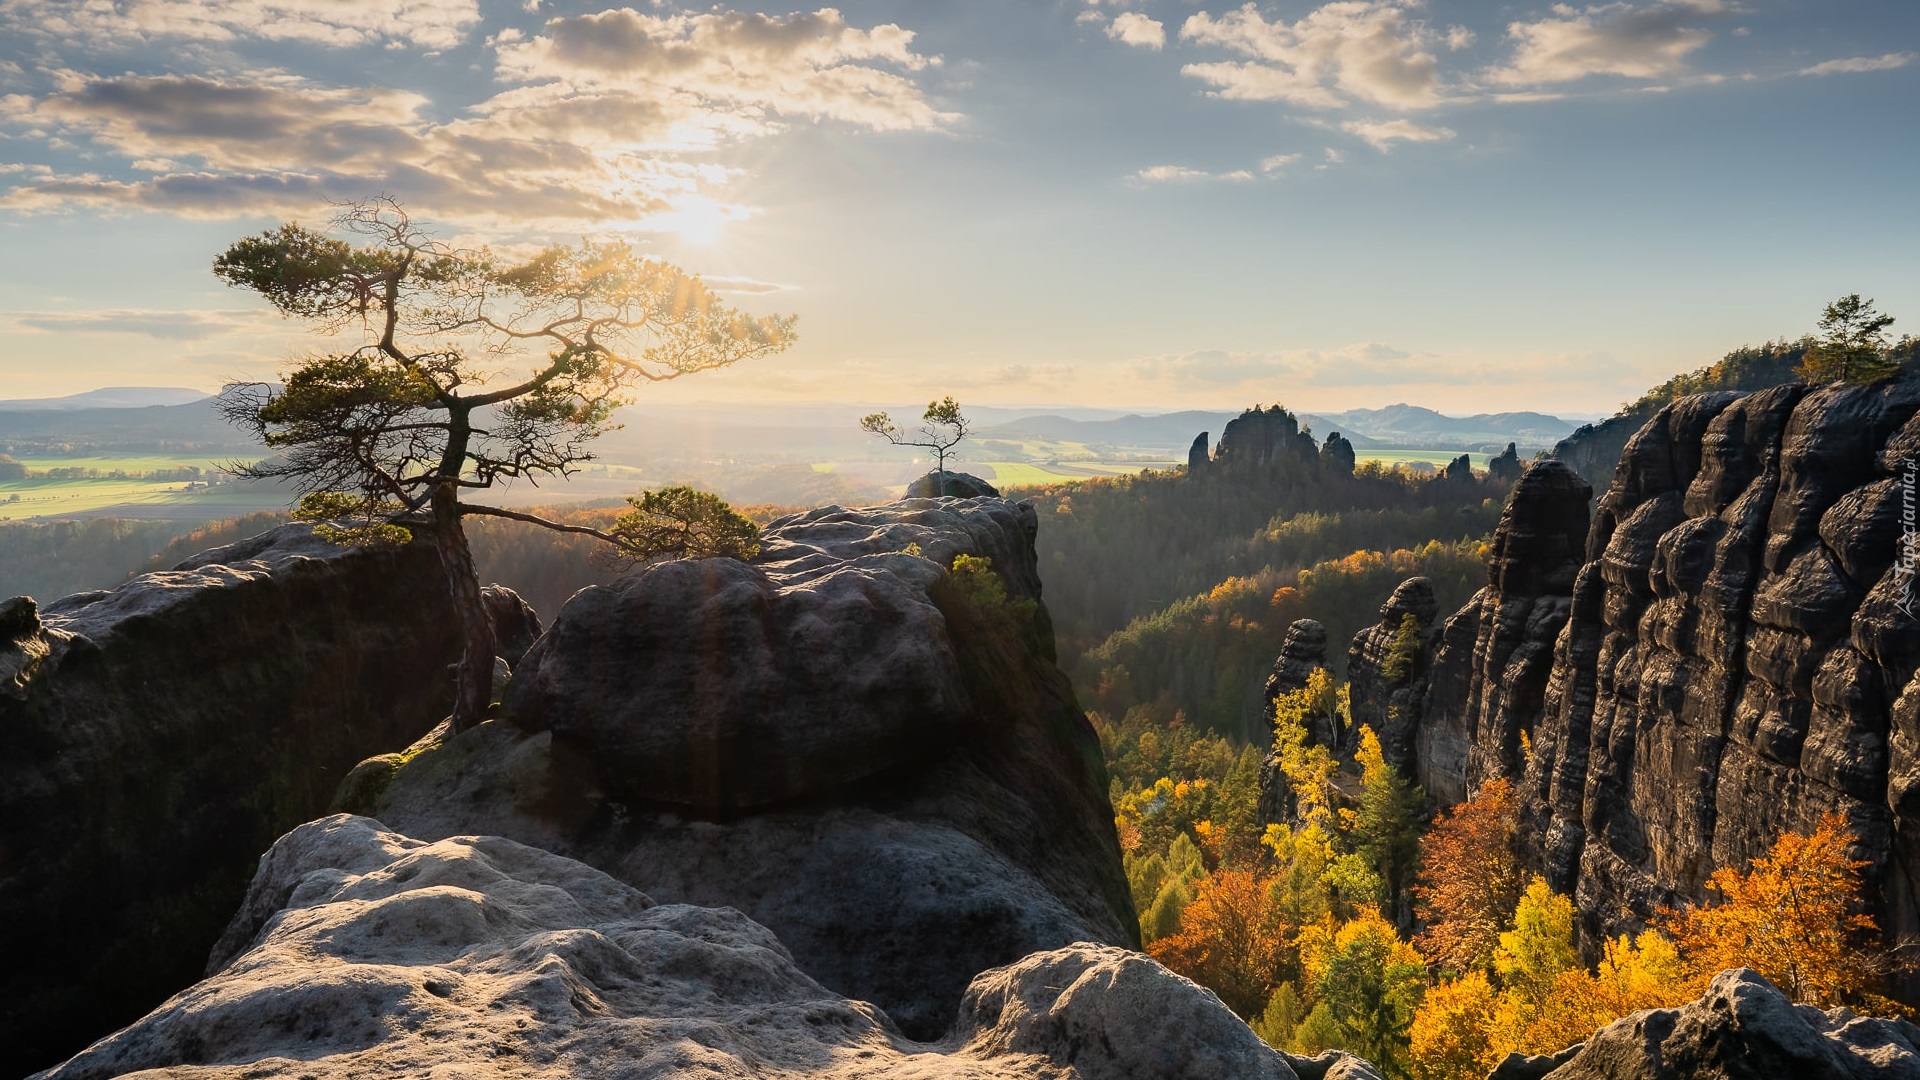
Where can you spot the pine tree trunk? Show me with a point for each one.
(473, 684)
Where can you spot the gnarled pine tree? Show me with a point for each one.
(474, 371)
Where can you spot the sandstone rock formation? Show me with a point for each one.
(841, 739)
(1735, 659)
(1197, 461)
(1263, 437)
(361, 952)
(516, 626)
(1492, 659)
(1389, 702)
(1594, 449)
(1741, 1027)
(953, 485)
(1337, 456)
(160, 735)
(1303, 652)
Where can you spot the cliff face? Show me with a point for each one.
(1491, 660)
(873, 757)
(1388, 701)
(1735, 658)
(159, 736)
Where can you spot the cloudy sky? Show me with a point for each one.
(1135, 203)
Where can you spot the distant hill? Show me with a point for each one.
(110, 397)
(1400, 426)
(84, 431)
(1414, 427)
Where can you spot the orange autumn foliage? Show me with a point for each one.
(1790, 916)
(1233, 937)
(1470, 879)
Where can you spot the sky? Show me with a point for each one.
(1146, 204)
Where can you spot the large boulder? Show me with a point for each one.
(158, 736)
(360, 951)
(952, 485)
(868, 753)
(1744, 1028)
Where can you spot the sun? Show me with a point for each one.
(698, 220)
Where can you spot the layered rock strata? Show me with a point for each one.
(869, 754)
(160, 735)
(1491, 661)
(360, 952)
(1737, 657)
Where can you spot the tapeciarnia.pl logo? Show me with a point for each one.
(1909, 540)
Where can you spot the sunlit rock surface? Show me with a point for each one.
(363, 952)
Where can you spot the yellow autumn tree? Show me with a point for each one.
(1792, 916)
(1456, 1033)
(1540, 946)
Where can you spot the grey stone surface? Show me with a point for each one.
(906, 801)
(1744, 1028)
(367, 952)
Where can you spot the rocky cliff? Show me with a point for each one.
(1736, 657)
(870, 754)
(1384, 693)
(159, 736)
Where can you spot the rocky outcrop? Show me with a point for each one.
(1492, 659)
(1742, 1027)
(1303, 652)
(1594, 449)
(1735, 652)
(515, 624)
(952, 485)
(1197, 461)
(160, 735)
(1386, 689)
(1336, 456)
(1731, 658)
(869, 754)
(1259, 438)
(360, 952)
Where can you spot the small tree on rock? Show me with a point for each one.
(1852, 346)
(401, 431)
(941, 429)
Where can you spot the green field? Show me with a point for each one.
(144, 463)
(1436, 458)
(1027, 474)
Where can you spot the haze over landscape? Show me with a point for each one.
(1405, 569)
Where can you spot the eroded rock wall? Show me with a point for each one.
(164, 733)
(1731, 660)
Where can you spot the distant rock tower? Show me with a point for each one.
(1197, 460)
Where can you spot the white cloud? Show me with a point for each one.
(1638, 41)
(1133, 28)
(166, 325)
(1382, 133)
(1855, 65)
(431, 24)
(814, 65)
(1366, 50)
(1362, 364)
(595, 132)
(1278, 163)
(1180, 174)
